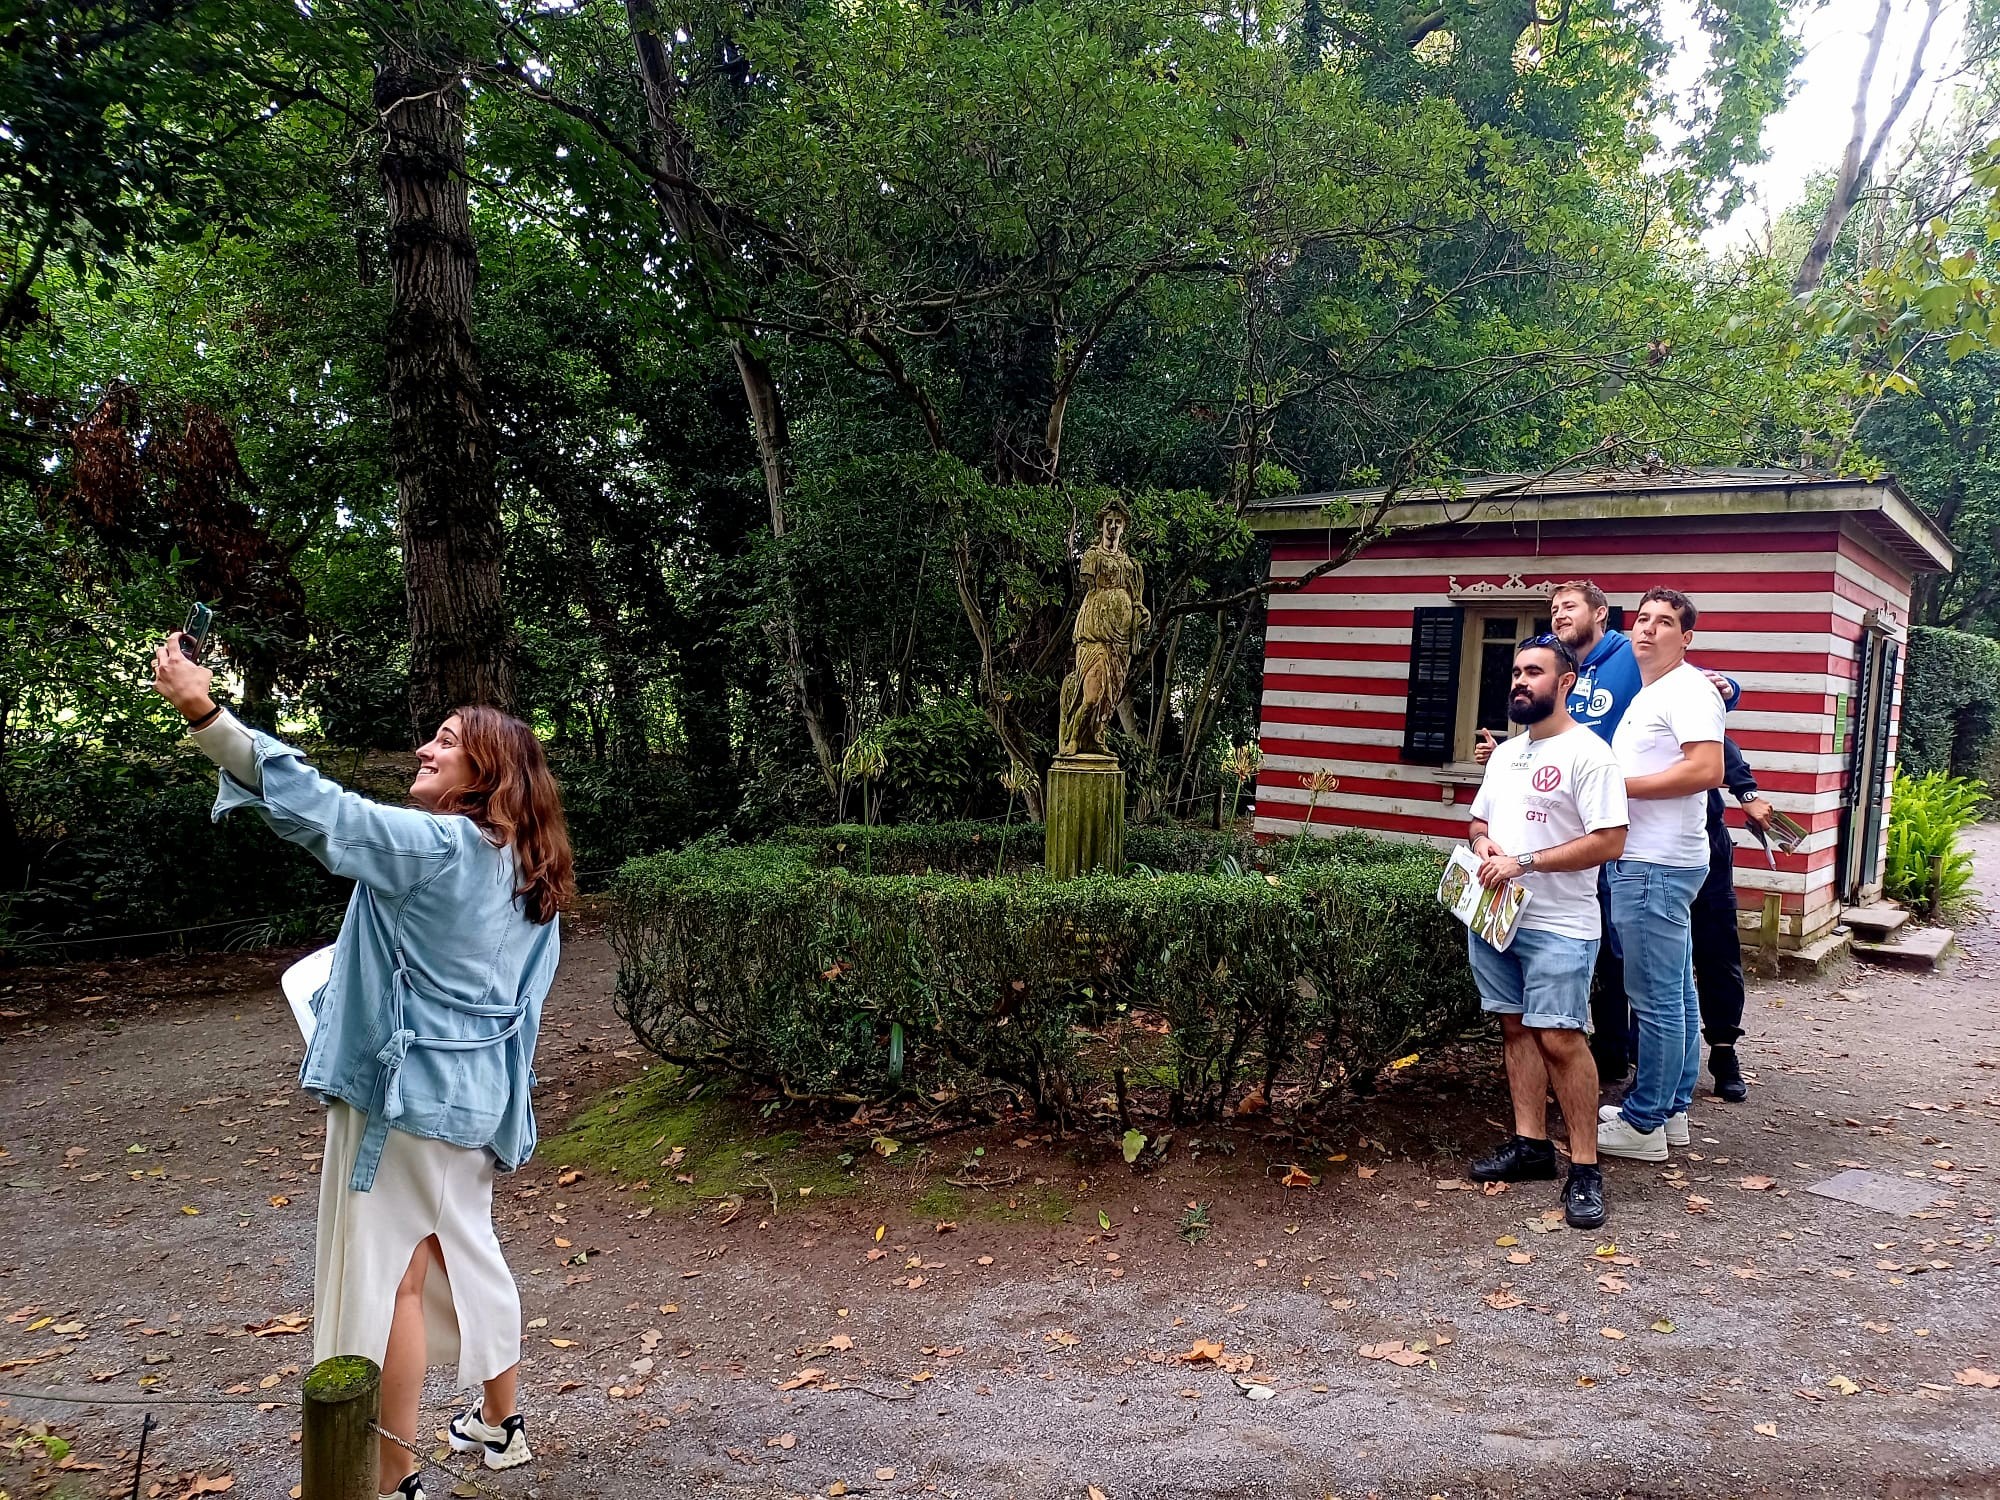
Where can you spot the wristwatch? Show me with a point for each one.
(1525, 861)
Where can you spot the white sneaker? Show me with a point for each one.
(1676, 1126)
(409, 1489)
(502, 1447)
(1616, 1137)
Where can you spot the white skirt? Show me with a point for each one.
(472, 1311)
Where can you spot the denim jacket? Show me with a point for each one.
(429, 1017)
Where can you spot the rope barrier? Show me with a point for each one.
(133, 937)
(426, 1462)
(62, 1398)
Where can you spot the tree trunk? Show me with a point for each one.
(440, 446)
(1858, 161)
(693, 223)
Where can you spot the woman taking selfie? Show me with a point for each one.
(423, 1044)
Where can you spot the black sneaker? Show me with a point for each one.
(1520, 1160)
(1728, 1075)
(1583, 1197)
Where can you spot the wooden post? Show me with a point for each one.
(338, 1455)
(1767, 935)
(1936, 905)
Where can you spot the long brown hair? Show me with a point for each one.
(513, 797)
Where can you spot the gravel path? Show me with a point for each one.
(157, 1168)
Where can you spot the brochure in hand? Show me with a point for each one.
(301, 982)
(1493, 914)
(1786, 835)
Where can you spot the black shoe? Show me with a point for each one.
(1583, 1197)
(1520, 1160)
(1610, 1070)
(1728, 1075)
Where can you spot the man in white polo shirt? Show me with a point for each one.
(1669, 745)
(1550, 811)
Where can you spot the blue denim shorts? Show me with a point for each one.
(1543, 977)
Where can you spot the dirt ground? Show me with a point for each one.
(1727, 1334)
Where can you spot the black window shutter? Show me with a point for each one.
(1430, 716)
(1616, 619)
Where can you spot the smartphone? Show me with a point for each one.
(194, 634)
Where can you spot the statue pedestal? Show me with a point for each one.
(1086, 816)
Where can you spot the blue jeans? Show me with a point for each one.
(1650, 908)
(1543, 977)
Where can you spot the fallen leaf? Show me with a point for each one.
(1662, 1325)
(1984, 1379)
(1612, 1333)
(1506, 1240)
(1403, 1062)
(783, 1440)
(885, 1473)
(1203, 1349)
(1845, 1386)
(1063, 1338)
(1297, 1177)
(1518, 1258)
(1768, 1429)
(1364, 1171)
(1757, 1184)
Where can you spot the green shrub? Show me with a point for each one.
(1925, 820)
(123, 845)
(1950, 688)
(943, 761)
(780, 964)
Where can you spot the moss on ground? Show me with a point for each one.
(630, 1134)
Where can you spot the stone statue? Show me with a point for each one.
(1107, 625)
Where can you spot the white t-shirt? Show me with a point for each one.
(1541, 793)
(1681, 708)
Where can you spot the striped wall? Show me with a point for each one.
(1782, 601)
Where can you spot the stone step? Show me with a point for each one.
(1914, 948)
(1874, 923)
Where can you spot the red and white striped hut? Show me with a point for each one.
(1378, 674)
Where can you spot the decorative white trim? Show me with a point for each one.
(1513, 591)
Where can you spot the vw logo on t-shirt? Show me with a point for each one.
(1548, 778)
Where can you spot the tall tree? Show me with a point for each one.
(441, 448)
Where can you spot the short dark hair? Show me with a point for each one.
(1565, 657)
(1683, 606)
(1592, 594)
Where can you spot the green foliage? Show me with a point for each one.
(765, 962)
(1951, 706)
(120, 845)
(1927, 869)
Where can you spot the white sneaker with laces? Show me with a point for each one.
(1616, 1137)
(410, 1489)
(502, 1447)
(1676, 1126)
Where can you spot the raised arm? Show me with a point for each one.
(388, 849)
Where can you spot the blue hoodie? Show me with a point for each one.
(1608, 680)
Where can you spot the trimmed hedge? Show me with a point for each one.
(1951, 705)
(975, 849)
(779, 965)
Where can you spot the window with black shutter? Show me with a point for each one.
(1430, 716)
